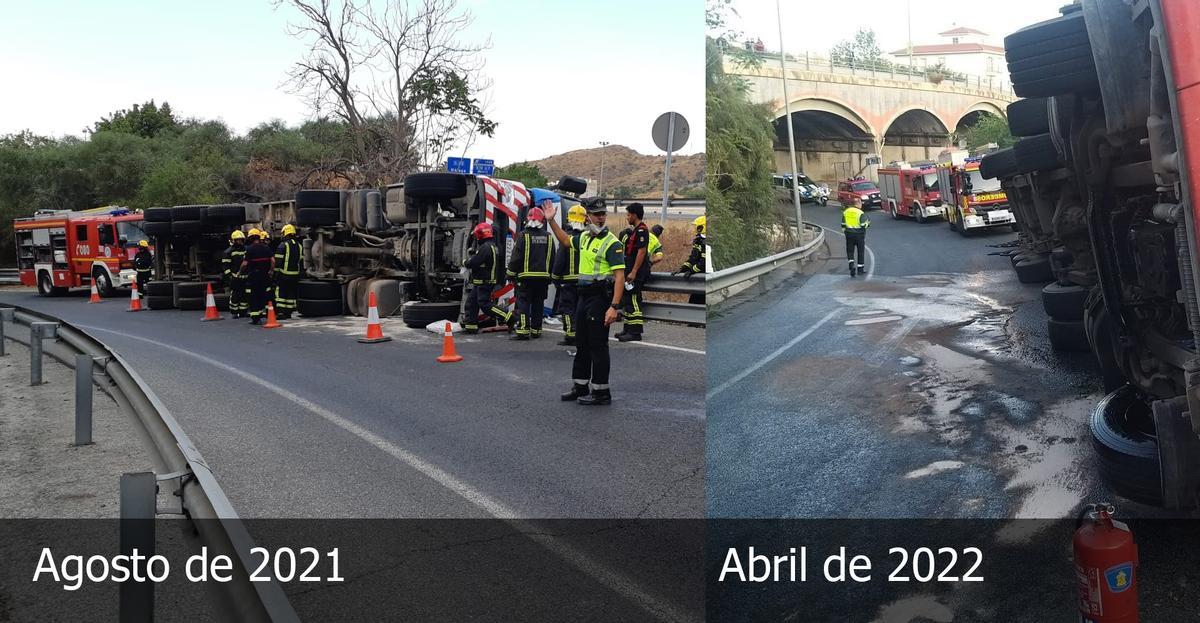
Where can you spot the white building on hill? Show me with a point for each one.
(964, 50)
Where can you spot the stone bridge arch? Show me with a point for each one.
(830, 134)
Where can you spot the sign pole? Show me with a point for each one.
(667, 171)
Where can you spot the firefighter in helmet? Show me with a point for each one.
(485, 265)
(258, 266)
(529, 266)
(143, 265)
(235, 280)
(288, 263)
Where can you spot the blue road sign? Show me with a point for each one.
(484, 167)
(458, 165)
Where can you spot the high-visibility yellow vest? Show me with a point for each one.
(852, 219)
(593, 260)
(655, 245)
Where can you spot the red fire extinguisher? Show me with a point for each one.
(1105, 567)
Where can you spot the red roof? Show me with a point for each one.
(962, 30)
(951, 48)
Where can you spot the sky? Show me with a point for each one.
(816, 25)
(566, 74)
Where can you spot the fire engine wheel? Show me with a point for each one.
(104, 284)
(160, 302)
(1036, 153)
(311, 309)
(919, 212)
(156, 215)
(1000, 164)
(160, 288)
(46, 286)
(418, 315)
(317, 290)
(894, 212)
(435, 186)
(317, 217)
(1036, 270)
(1028, 117)
(1067, 335)
(326, 199)
(1064, 302)
(1126, 446)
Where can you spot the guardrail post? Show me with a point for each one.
(6, 315)
(38, 331)
(138, 498)
(83, 400)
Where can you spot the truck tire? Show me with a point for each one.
(1126, 448)
(1066, 335)
(319, 290)
(156, 215)
(190, 289)
(160, 288)
(317, 217)
(189, 303)
(435, 185)
(1051, 58)
(418, 315)
(222, 301)
(160, 302)
(157, 228)
(325, 199)
(1036, 153)
(1028, 117)
(1034, 270)
(232, 214)
(572, 184)
(1064, 302)
(186, 227)
(187, 213)
(46, 286)
(104, 284)
(311, 309)
(999, 164)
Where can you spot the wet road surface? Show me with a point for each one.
(927, 389)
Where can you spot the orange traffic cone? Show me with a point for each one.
(272, 323)
(449, 355)
(135, 300)
(95, 298)
(210, 306)
(374, 329)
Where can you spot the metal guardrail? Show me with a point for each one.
(219, 527)
(9, 276)
(732, 276)
(691, 313)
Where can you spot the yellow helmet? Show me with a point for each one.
(576, 214)
(289, 229)
(254, 232)
(237, 235)
(699, 222)
(144, 244)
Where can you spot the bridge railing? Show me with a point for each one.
(881, 68)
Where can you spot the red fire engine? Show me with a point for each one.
(910, 190)
(60, 249)
(971, 201)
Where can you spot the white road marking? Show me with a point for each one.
(870, 254)
(769, 358)
(489, 505)
(935, 467)
(872, 320)
(873, 312)
(613, 339)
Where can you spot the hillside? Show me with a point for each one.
(626, 172)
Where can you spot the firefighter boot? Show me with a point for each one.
(597, 397)
(577, 391)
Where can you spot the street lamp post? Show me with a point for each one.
(787, 110)
(600, 190)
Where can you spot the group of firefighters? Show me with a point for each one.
(257, 274)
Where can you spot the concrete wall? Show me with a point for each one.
(824, 166)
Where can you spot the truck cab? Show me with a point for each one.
(911, 190)
(972, 202)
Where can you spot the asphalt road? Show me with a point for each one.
(926, 389)
(304, 421)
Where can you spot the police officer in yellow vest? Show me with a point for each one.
(854, 227)
(600, 288)
(288, 262)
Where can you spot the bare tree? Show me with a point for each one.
(397, 75)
